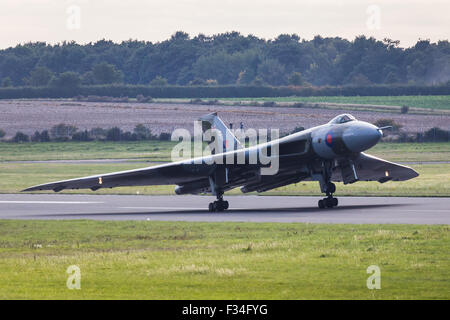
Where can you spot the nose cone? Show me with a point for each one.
(361, 136)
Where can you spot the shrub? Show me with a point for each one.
(81, 136)
(164, 136)
(114, 134)
(128, 136)
(21, 137)
(45, 137)
(404, 109)
(297, 129)
(2, 133)
(436, 135)
(269, 104)
(142, 132)
(36, 137)
(98, 133)
(143, 99)
(62, 132)
(40, 136)
(196, 101)
(388, 122)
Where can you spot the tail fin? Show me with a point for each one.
(230, 142)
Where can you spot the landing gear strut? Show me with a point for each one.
(329, 201)
(216, 181)
(219, 205)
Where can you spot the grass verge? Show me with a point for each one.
(179, 260)
(425, 102)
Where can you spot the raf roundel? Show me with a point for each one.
(329, 139)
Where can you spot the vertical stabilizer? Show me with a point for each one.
(212, 121)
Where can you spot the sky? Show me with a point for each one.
(86, 21)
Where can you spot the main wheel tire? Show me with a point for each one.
(218, 205)
(321, 204)
(331, 187)
(329, 202)
(211, 207)
(226, 205)
(335, 202)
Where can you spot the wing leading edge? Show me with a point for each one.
(171, 173)
(370, 168)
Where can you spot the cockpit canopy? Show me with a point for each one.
(343, 118)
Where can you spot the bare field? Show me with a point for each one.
(31, 115)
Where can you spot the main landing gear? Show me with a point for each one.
(329, 201)
(219, 205)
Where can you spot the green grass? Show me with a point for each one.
(146, 150)
(426, 102)
(412, 151)
(178, 260)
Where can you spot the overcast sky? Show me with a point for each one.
(155, 20)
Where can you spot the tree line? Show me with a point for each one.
(63, 132)
(227, 59)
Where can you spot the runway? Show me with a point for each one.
(357, 210)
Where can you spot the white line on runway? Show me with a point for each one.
(162, 208)
(48, 202)
(172, 208)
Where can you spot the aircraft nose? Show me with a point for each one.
(361, 137)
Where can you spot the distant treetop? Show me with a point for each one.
(228, 58)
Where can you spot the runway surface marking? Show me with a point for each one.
(161, 208)
(51, 202)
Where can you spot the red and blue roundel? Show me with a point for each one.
(329, 139)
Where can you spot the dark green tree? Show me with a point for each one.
(105, 73)
(159, 81)
(67, 80)
(272, 72)
(6, 82)
(296, 79)
(39, 77)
